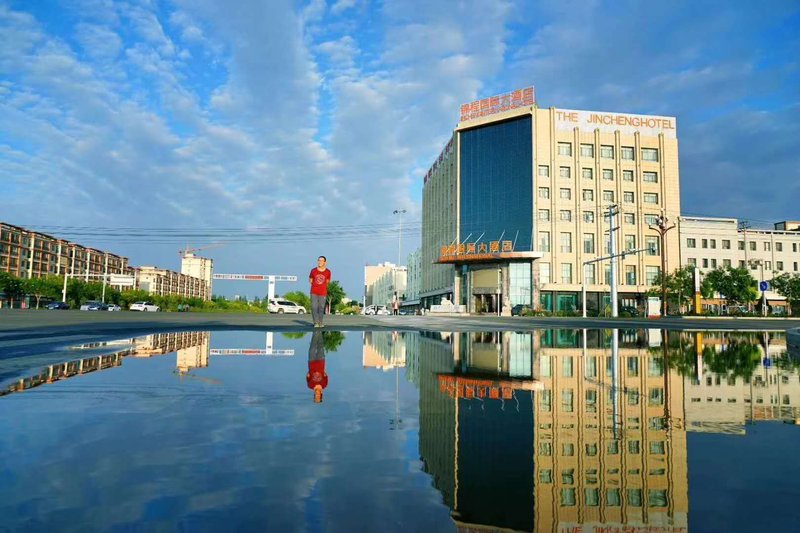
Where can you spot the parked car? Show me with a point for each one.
(376, 310)
(518, 309)
(285, 306)
(93, 305)
(144, 306)
(628, 311)
(58, 305)
(113, 307)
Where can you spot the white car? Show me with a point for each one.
(285, 306)
(144, 306)
(376, 310)
(113, 307)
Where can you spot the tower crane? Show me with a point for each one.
(186, 251)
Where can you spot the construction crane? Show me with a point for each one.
(186, 251)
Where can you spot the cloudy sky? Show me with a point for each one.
(205, 121)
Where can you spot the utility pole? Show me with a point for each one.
(743, 226)
(662, 228)
(613, 211)
(400, 212)
(71, 273)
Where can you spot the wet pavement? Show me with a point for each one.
(547, 430)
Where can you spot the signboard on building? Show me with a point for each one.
(482, 251)
(254, 277)
(497, 104)
(650, 125)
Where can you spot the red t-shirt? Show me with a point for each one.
(316, 374)
(319, 281)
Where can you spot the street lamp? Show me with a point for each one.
(662, 228)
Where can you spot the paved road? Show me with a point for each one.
(32, 326)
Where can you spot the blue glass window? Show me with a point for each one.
(496, 197)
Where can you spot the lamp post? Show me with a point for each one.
(760, 263)
(662, 228)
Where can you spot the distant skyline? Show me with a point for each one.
(202, 114)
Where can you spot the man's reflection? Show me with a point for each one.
(316, 378)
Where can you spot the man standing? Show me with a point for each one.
(319, 279)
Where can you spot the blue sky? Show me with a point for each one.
(261, 114)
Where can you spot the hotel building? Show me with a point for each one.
(515, 205)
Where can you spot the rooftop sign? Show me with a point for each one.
(651, 125)
(497, 104)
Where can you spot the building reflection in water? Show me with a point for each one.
(583, 430)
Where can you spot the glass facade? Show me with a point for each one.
(496, 196)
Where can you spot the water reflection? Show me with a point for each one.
(551, 430)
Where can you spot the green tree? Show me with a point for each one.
(41, 288)
(294, 334)
(335, 293)
(11, 286)
(680, 286)
(736, 285)
(788, 286)
(332, 340)
(299, 298)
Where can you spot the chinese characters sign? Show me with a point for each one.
(475, 250)
(497, 104)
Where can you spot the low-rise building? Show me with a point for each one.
(163, 282)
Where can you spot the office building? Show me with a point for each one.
(514, 207)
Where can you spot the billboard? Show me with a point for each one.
(497, 104)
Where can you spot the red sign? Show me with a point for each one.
(497, 104)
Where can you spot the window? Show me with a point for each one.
(545, 476)
(566, 404)
(629, 218)
(726, 262)
(652, 245)
(588, 195)
(778, 246)
(544, 272)
(741, 245)
(588, 243)
(608, 174)
(565, 194)
(651, 274)
(635, 497)
(565, 215)
(588, 274)
(650, 154)
(587, 174)
(565, 149)
(795, 266)
(767, 247)
(650, 177)
(768, 265)
(627, 197)
(712, 244)
(705, 243)
(565, 172)
(612, 498)
(691, 243)
(608, 196)
(544, 241)
(630, 275)
(566, 242)
(650, 198)
(544, 193)
(651, 220)
(544, 215)
(588, 217)
(567, 369)
(627, 175)
(587, 150)
(544, 171)
(630, 242)
(691, 261)
(626, 153)
(606, 151)
(567, 497)
(752, 246)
